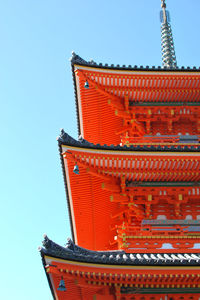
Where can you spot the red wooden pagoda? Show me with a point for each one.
(133, 183)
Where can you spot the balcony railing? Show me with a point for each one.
(161, 140)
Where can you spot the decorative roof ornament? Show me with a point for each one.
(66, 139)
(167, 43)
(116, 257)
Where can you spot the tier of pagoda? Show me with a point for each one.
(133, 183)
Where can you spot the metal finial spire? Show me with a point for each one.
(167, 43)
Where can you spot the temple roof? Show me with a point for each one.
(76, 253)
(76, 59)
(66, 139)
(89, 195)
(107, 95)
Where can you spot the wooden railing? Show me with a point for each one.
(158, 140)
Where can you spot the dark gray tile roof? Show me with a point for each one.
(66, 139)
(119, 257)
(76, 59)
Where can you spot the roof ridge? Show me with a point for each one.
(66, 139)
(76, 59)
(74, 252)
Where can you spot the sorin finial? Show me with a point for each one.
(167, 43)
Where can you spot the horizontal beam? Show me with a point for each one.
(184, 104)
(170, 222)
(162, 183)
(129, 290)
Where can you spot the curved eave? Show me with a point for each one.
(144, 165)
(56, 268)
(119, 258)
(77, 200)
(76, 61)
(67, 140)
(66, 190)
(47, 275)
(76, 100)
(112, 263)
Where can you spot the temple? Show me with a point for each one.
(132, 182)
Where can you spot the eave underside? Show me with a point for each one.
(81, 269)
(147, 86)
(91, 192)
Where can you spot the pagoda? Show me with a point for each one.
(132, 182)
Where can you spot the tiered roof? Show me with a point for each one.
(73, 252)
(115, 93)
(90, 274)
(92, 195)
(137, 159)
(104, 160)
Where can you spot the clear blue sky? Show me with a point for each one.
(37, 99)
